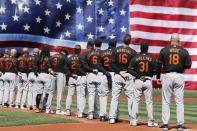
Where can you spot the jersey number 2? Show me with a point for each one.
(106, 61)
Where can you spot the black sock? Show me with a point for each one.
(44, 102)
(38, 98)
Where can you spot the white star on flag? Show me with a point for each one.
(111, 21)
(89, 19)
(67, 33)
(38, 19)
(59, 6)
(79, 10)
(67, 17)
(90, 36)
(68, 1)
(47, 12)
(89, 2)
(15, 17)
(26, 27)
(122, 12)
(123, 29)
(112, 36)
(101, 29)
(13, 1)
(58, 23)
(37, 2)
(26, 9)
(101, 12)
(3, 26)
(111, 3)
(46, 30)
(2, 10)
(80, 26)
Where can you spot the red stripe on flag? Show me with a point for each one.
(159, 16)
(167, 3)
(164, 30)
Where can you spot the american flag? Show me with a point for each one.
(156, 20)
(63, 23)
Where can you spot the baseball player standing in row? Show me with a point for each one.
(44, 79)
(143, 66)
(2, 66)
(120, 60)
(93, 64)
(22, 81)
(172, 61)
(83, 81)
(1, 79)
(107, 80)
(11, 71)
(59, 68)
(77, 81)
(32, 79)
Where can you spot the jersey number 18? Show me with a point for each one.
(174, 59)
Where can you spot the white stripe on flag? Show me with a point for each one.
(163, 23)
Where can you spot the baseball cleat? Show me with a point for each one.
(59, 112)
(112, 121)
(22, 107)
(68, 113)
(5, 105)
(30, 108)
(164, 127)
(180, 128)
(17, 107)
(11, 106)
(90, 116)
(37, 110)
(79, 115)
(47, 111)
(133, 122)
(104, 118)
(152, 123)
(82, 115)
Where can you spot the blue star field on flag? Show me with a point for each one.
(76, 20)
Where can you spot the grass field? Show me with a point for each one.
(190, 109)
(16, 118)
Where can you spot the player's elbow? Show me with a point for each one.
(188, 66)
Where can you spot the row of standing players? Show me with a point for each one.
(38, 76)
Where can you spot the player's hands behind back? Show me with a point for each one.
(159, 82)
(95, 71)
